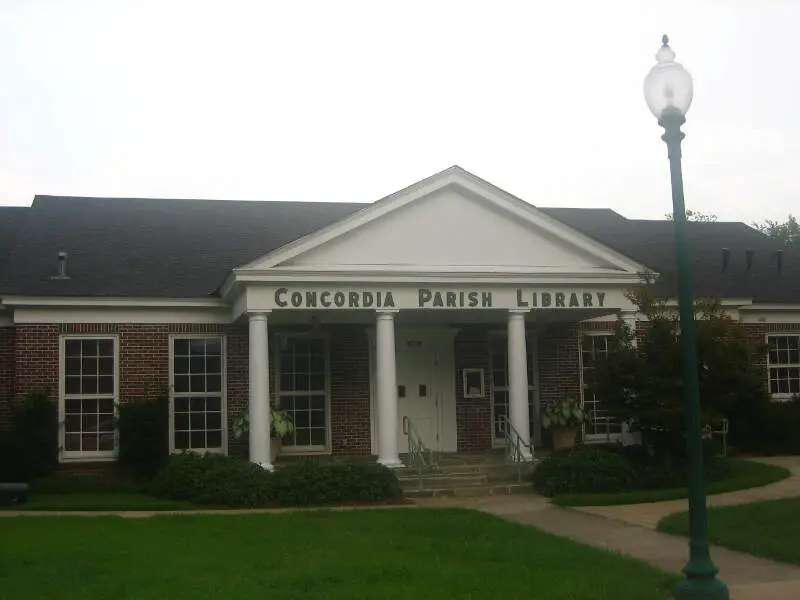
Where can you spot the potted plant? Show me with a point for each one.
(281, 424)
(564, 417)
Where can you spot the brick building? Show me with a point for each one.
(450, 302)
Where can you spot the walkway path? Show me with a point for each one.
(630, 530)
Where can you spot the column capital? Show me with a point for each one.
(260, 315)
(518, 312)
(386, 313)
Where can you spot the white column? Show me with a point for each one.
(386, 376)
(518, 378)
(259, 392)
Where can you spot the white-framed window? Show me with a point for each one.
(498, 358)
(599, 423)
(783, 364)
(302, 389)
(197, 398)
(89, 393)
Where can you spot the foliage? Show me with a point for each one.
(29, 448)
(217, 480)
(766, 426)
(213, 479)
(743, 474)
(769, 528)
(564, 412)
(306, 483)
(787, 233)
(336, 555)
(695, 215)
(642, 383)
(583, 469)
(143, 428)
(281, 422)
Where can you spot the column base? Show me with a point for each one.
(267, 466)
(391, 463)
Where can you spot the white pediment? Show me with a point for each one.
(452, 221)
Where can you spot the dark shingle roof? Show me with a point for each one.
(186, 248)
(151, 248)
(12, 219)
(652, 243)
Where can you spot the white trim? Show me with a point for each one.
(465, 182)
(325, 337)
(769, 307)
(223, 391)
(779, 396)
(481, 393)
(77, 456)
(106, 315)
(590, 438)
(532, 348)
(775, 315)
(117, 302)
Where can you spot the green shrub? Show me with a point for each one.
(584, 469)
(602, 469)
(307, 483)
(144, 436)
(29, 448)
(765, 426)
(215, 480)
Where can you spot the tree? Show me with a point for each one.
(693, 215)
(642, 382)
(786, 233)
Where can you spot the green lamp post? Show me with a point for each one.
(668, 92)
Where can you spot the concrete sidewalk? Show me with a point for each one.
(749, 577)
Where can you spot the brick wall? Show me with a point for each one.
(559, 362)
(350, 390)
(143, 357)
(7, 336)
(473, 415)
(29, 357)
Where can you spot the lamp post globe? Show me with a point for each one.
(668, 86)
(668, 91)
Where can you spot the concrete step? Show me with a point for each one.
(497, 489)
(437, 481)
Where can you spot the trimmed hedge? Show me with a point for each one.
(603, 469)
(583, 469)
(213, 479)
(29, 448)
(216, 480)
(306, 483)
(144, 436)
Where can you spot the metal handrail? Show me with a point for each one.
(514, 444)
(419, 455)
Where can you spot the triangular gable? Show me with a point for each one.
(450, 220)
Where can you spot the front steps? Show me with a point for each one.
(467, 475)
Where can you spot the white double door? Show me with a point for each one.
(425, 369)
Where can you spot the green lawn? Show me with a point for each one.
(770, 529)
(375, 554)
(744, 474)
(111, 501)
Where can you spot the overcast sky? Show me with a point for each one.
(350, 101)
